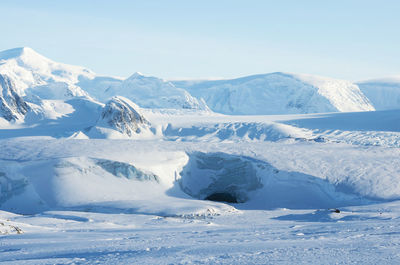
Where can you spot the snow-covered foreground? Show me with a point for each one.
(363, 235)
(127, 201)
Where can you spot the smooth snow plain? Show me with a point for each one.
(66, 200)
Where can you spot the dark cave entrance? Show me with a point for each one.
(222, 197)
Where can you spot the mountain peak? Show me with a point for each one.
(136, 75)
(18, 52)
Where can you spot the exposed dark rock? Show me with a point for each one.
(121, 115)
(12, 106)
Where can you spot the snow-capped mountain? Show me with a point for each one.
(35, 74)
(383, 93)
(120, 115)
(12, 106)
(153, 92)
(278, 93)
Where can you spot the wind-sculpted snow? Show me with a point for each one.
(278, 93)
(70, 182)
(12, 106)
(259, 185)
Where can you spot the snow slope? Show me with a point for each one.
(278, 93)
(384, 93)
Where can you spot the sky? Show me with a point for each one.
(346, 39)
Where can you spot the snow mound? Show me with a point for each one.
(153, 92)
(69, 182)
(259, 185)
(383, 93)
(278, 93)
(28, 69)
(93, 184)
(12, 106)
(121, 115)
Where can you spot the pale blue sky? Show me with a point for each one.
(195, 39)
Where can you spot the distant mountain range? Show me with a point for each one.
(34, 88)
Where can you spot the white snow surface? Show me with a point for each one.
(124, 201)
